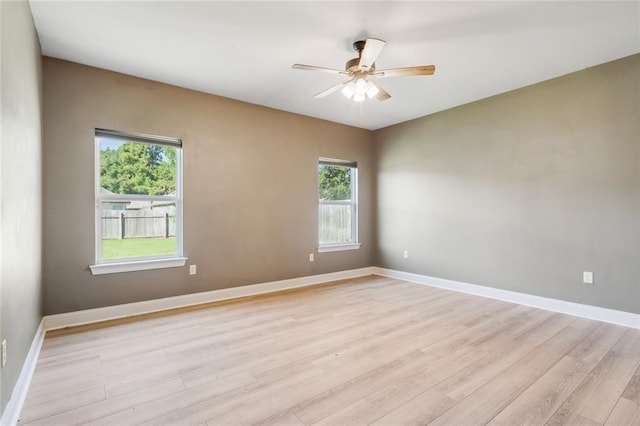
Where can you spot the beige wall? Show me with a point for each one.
(523, 191)
(20, 189)
(250, 198)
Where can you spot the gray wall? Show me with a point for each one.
(250, 177)
(523, 191)
(20, 189)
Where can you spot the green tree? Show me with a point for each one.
(138, 168)
(334, 182)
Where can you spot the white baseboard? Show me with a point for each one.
(53, 322)
(626, 319)
(12, 411)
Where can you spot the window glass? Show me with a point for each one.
(137, 168)
(138, 198)
(337, 200)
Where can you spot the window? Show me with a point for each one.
(337, 205)
(138, 202)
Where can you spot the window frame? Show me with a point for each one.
(354, 243)
(105, 266)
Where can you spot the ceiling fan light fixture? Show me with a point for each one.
(372, 89)
(348, 90)
(360, 86)
(357, 97)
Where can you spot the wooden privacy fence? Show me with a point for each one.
(120, 224)
(335, 223)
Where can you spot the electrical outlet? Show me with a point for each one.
(587, 277)
(4, 352)
(192, 269)
(311, 257)
(405, 254)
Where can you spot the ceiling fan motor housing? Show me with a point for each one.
(351, 65)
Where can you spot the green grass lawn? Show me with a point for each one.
(138, 247)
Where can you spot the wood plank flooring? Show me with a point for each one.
(366, 351)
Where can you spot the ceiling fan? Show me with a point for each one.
(362, 72)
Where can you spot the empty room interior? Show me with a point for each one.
(320, 213)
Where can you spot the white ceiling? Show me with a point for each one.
(244, 50)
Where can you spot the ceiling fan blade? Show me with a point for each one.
(372, 49)
(382, 95)
(375, 90)
(331, 89)
(314, 68)
(407, 71)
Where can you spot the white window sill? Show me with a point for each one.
(137, 265)
(338, 247)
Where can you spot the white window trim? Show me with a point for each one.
(137, 265)
(327, 248)
(140, 263)
(354, 244)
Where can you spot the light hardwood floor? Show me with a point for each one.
(365, 351)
